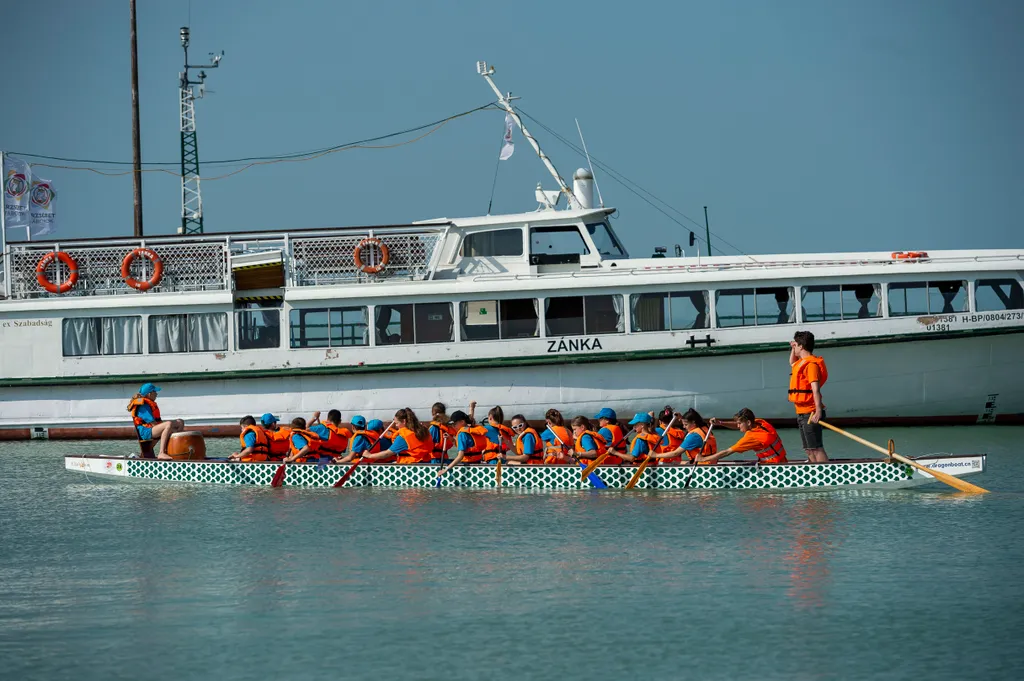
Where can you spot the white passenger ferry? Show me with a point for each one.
(528, 311)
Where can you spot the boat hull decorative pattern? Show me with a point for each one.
(745, 475)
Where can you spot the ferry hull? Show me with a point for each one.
(866, 474)
(942, 381)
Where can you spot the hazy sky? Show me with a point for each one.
(803, 125)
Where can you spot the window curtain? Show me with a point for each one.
(120, 335)
(536, 313)
(620, 319)
(634, 311)
(168, 333)
(207, 332)
(81, 337)
(700, 304)
(547, 306)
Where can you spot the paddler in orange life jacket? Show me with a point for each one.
(362, 440)
(758, 436)
(305, 444)
(613, 433)
(333, 437)
(692, 443)
(588, 444)
(647, 438)
(807, 374)
(280, 437)
(527, 443)
(470, 441)
(558, 439)
(254, 442)
(412, 443)
(499, 436)
(147, 421)
(441, 433)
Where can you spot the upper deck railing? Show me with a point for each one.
(204, 263)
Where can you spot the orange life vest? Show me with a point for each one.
(337, 442)
(480, 443)
(373, 437)
(537, 457)
(260, 450)
(602, 447)
(553, 451)
(419, 451)
(494, 449)
(772, 450)
(652, 440)
(800, 393)
(675, 437)
(133, 408)
(709, 447)
(312, 441)
(280, 441)
(443, 444)
(618, 442)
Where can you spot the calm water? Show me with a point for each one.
(145, 581)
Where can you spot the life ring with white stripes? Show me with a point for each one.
(158, 269)
(65, 285)
(371, 244)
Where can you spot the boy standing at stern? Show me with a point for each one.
(808, 375)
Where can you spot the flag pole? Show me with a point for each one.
(3, 232)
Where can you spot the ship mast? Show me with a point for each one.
(506, 103)
(191, 198)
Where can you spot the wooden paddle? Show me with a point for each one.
(343, 479)
(595, 463)
(594, 478)
(693, 465)
(497, 473)
(950, 480)
(646, 462)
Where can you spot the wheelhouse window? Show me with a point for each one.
(500, 319)
(258, 323)
(580, 315)
(329, 327)
(198, 332)
(414, 323)
(605, 241)
(754, 306)
(499, 242)
(907, 299)
(556, 245)
(669, 311)
(840, 301)
(994, 295)
(88, 336)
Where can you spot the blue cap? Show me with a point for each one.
(359, 422)
(268, 419)
(606, 413)
(148, 388)
(375, 424)
(640, 418)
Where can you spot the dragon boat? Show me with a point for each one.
(837, 474)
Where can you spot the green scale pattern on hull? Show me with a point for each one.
(539, 477)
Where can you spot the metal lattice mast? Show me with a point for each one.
(191, 194)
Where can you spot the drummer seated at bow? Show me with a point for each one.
(147, 421)
(305, 444)
(254, 441)
(412, 443)
(527, 443)
(588, 444)
(758, 436)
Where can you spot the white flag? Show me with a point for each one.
(44, 214)
(507, 148)
(17, 178)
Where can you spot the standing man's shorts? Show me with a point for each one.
(810, 433)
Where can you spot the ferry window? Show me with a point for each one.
(500, 319)
(578, 315)
(394, 324)
(501, 242)
(329, 327)
(201, 332)
(676, 311)
(605, 240)
(835, 302)
(102, 336)
(419, 323)
(258, 323)
(919, 298)
(557, 241)
(993, 295)
(434, 323)
(754, 307)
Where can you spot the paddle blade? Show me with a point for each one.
(594, 464)
(636, 476)
(497, 474)
(348, 474)
(278, 479)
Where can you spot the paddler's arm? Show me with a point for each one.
(472, 412)
(292, 457)
(456, 461)
(716, 456)
(724, 423)
(315, 418)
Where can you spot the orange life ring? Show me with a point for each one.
(385, 255)
(908, 255)
(65, 285)
(158, 269)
